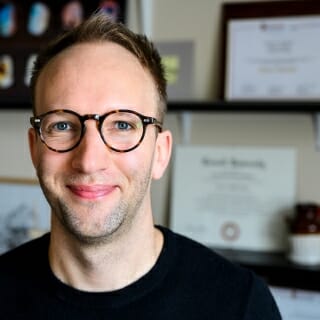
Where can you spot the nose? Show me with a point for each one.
(92, 155)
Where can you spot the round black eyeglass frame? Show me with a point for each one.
(145, 120)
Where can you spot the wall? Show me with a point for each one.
(197, 21)
(200, 22)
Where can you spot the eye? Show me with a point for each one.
(123, 125)
(62, 126)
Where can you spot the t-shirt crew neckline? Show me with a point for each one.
(126, 295)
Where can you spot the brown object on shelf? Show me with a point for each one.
(306, 219)
(304, 236)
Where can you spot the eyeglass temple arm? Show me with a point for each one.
(153, 121)
(34, 121)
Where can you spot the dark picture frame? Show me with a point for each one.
(264, 10)
(25, 27)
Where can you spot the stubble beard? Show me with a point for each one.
(117, 221)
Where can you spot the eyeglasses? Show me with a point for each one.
(121, 130)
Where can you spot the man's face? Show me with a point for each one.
(95, 192)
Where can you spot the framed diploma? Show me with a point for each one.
(270, 51)
(232, 197)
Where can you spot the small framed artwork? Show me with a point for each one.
(178, 61)
(26, 26)
(24, 212)
(270, 51)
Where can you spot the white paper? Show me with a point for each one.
(235, 197)
(24, 214)
(273, 58)
(297, 304)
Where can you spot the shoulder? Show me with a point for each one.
(203, 272)
(23, 271)
(199, 260)
(198, 256)
(25, 256)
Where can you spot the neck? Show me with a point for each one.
(109, 266)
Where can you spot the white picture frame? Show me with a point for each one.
(24, 212)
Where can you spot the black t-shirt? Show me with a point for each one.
(188, 281)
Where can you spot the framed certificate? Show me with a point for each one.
(232, 198)
(270, 51)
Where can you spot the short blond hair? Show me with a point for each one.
(99, 28)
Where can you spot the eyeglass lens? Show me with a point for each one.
(121, 131)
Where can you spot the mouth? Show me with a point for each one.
(91, 192)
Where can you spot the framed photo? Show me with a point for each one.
(26, 26)
(178, 61)
(270, 51)
(24, 212)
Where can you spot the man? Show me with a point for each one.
(96, 143)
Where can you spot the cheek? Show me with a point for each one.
(135, 163)
(50, 163)
(42, 158)
(128, 163)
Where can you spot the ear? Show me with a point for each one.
(162, 154)
(33, 148)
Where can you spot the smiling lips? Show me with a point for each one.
(91, 191)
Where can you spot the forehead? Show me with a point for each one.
(95, 73)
